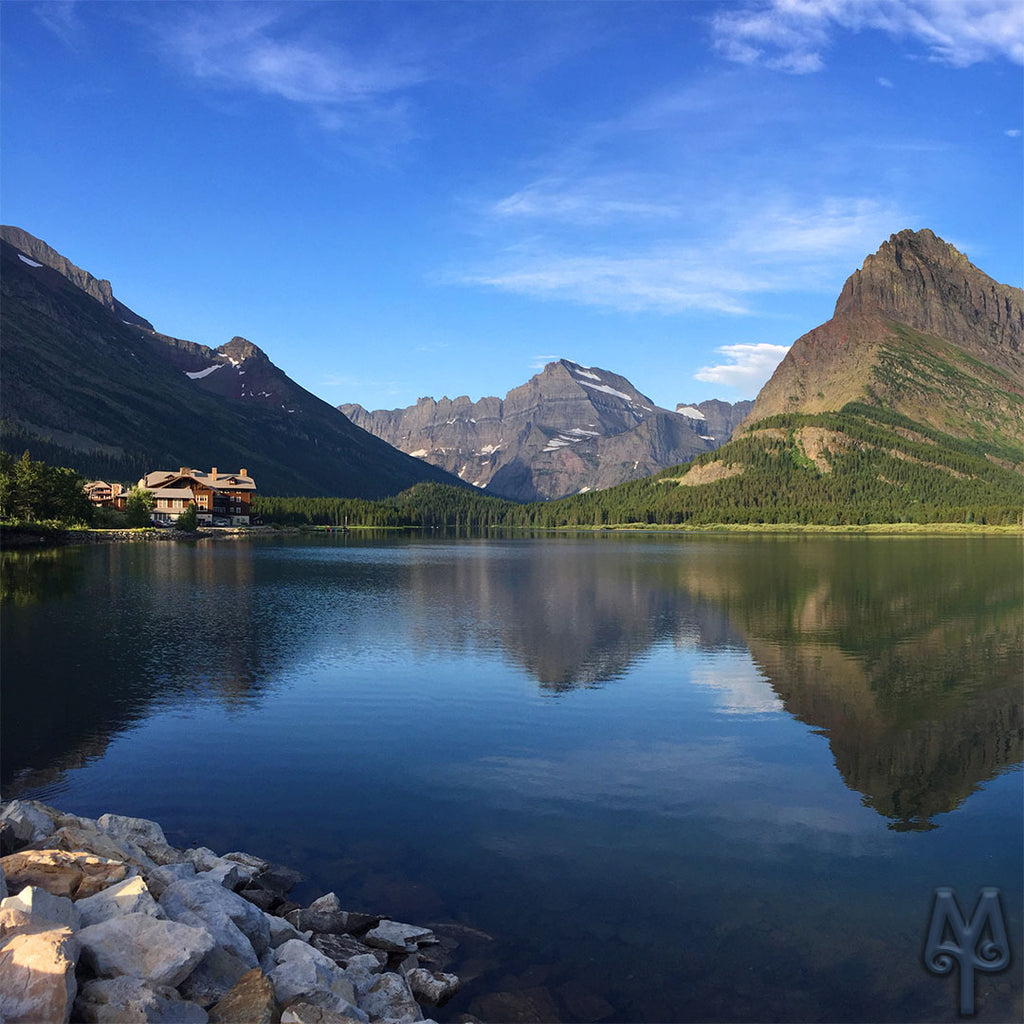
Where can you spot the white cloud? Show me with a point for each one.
(751, 365)
(885, 83)
(669, 280)
(765, 243)
(1013, 133)
(587, 202)
(792, 35)
(252, 48)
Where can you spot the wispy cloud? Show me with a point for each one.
(61, 17)
(1013, 133)
(586, 202)
(773, 245)
(794, 35)
(885, 83)
(539, 362)
(257, 48)
(749, 366)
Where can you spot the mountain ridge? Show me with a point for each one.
(89, 384)
(568, 429)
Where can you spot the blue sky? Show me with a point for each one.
(396, 200)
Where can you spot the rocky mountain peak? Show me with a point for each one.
(916, 278)
(238, 350)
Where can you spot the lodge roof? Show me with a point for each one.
(161, 479)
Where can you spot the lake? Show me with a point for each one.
(650, 777)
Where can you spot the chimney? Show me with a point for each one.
(213, 472)
(243, 472)
(184, 470)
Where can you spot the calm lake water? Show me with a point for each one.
(672, 778)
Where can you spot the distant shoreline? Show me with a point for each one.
(34, 538)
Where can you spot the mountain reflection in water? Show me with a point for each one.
(905, 663)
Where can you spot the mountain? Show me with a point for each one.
(569, 429)
(88, 383)
(908, 405)
(918, 330)
(714, 419)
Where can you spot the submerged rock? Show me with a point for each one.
(397, 937)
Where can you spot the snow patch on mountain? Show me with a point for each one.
(607, 390)
(690, 412)
(199, 374)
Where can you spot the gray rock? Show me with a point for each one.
(142, 832)
(390, 997)
(305, 973)
(37, 974)
(41, 906)
(161, 952)
(3, 885)
(138, 830)
(326, 915)
(342, 948)
(103, 845)
(128, 897)
(214, 977)
(278, 879)
(281, 931)
(307, 1013)
(261, 898)
(432, 987)
(27, 820)
(397, 937)
(228, 875)
(254, 865)
(201, 857)
(127, 1000)
(213, 903)
(160, 877)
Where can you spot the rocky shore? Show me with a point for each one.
(104, 921)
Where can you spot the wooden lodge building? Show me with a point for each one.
(221, 499)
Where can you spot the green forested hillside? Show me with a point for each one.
(862, 465)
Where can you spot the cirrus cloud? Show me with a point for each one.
(793, 35)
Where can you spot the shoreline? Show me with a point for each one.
(34, 538)
(103, 920)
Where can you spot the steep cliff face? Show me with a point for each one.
(919, 280)
(570, 428)
(714, 419)
(918, 330)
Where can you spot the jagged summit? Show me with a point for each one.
(569, 428)
(919, 330)
(917, 279)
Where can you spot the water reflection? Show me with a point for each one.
(902, 652)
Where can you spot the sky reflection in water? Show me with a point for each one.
(704, 778)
